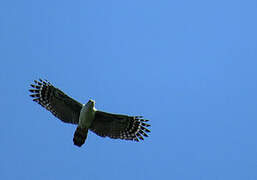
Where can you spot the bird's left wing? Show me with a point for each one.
(119, 126)
(54, 100)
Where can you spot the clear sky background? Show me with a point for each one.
(188, 66)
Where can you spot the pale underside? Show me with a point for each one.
(87, 114)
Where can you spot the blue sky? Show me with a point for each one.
(188, 66)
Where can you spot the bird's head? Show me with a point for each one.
(91, 103)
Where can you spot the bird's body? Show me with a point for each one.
(86, 116)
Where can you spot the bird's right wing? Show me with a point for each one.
(54, 100)
(119, 126)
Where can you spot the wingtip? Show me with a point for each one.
(34, 90)
(36, 100)
(34, 95)
(35, 86)
(145, 129)
(136, 139)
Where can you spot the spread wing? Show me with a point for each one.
(119, 126)
(54, 100)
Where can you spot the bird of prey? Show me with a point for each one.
(86, 116)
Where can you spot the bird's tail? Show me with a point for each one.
(80, 136)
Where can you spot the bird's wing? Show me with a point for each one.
(119, 126)
(55, 101)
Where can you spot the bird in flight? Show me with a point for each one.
(86, 116)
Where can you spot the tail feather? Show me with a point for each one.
(80, 136)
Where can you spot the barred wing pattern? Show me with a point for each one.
(119, 126)
(55, 101)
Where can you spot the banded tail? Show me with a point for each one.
(80, 136)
